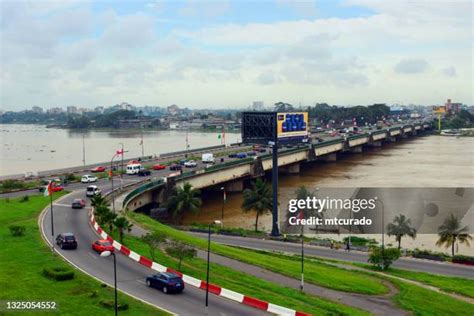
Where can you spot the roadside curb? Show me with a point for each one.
(214, 289)
(48, 243)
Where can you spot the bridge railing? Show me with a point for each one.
(142, 189)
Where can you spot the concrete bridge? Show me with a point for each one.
(232, 174)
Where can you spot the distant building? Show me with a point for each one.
(71, 110)
(257, 105)
(55, 110)
(173, 109)
(135, 123)
(453, 108)
(37, 109)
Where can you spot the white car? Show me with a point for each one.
(190, 164)
(88, 178)
(92, 190)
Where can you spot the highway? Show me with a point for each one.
(130, 274)
(353, 256)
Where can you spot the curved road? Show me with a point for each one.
(130, 275)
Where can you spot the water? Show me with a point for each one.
(431, 161)
(32, 148)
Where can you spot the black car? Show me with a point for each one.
(166, 281)
(251, 153)
(144, 173)
(66, 241)
(233, 155)
(176, 167)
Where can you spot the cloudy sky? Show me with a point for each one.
(230, 53)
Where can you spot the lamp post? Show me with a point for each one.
(111, 174)
(83, 151)
(107, 254)
(302, 246)
(223, 201)
(208, 261)
(383, 228)
(121, 170)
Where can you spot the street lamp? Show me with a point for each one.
(208, 261)
(383, 228)
(121, 172)
(107, 254)
(223, 201)
(111, 174)
(302, 248)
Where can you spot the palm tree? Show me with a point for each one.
(400, 227)
(98, 200)
(122, 224)
(101, 213)
(258, 199)
(109, 219)
(184, 199)
(451, 232)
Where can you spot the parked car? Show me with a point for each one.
(190, 164)
(78, 203)
(144, 173)
(241, 155)
(88, 178)
(92, 190)
(176, 167)
(166, 281)
(102, 245)
(66, 240)
(98, 169)
(159, 167)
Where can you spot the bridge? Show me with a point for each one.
(231, 174)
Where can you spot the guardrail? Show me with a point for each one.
(142, 188)
(191, 151)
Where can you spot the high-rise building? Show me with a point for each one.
(37, 109)
(71, 110)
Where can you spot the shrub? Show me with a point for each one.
(463, 259)
(430, 255)
(17, 230)
(383, 259)
(70, 177)
(59, 273)
(111, 304)
(12, 184)
(25, 198)
(360, 241)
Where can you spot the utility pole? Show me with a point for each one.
(275, 229)
(83, 151)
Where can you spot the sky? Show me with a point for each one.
(227, 54)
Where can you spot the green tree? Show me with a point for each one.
(258, 199)
(401, 226)
(101, 213)
(108, 219)
(122, 225)
(180, 251)
(184, 199)
(383, 258)
(154, 240)
(98, 200)
(451, 232)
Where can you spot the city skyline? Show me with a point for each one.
(231, 53)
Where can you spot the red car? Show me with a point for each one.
(102, 245)
(159, 167)
(57, 187)
(98, 169)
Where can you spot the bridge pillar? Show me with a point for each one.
(404, 135)
(291, 169)
(329, 157)
(234, 186)
(357, 149)
(376, 144)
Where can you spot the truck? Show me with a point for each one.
(208, 158)
(134, 168)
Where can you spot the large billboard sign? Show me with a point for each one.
(264, 127)
(439, 109)
(292, 125)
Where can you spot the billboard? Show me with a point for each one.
(292, 125)
(263, 127)
(439, 109)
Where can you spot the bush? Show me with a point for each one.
(17, 230)
(359, 241)
(70, 177)
(59, 273)
(25, 198)
(463, 259)
(426, 254)
(383, 260)
(111, 304)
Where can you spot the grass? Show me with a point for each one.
(316, 273)
(247, 284)
(23, 259)
(426, 302)
(445, 283)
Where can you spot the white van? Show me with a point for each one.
(208, 158)
(134, 168)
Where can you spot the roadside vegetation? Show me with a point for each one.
(30, 272)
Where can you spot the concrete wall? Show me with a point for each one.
(203, 180)
(395, 132)
(285, 160)
(141, 200)
(378, 136)
(320, 151)
(407, 129)
(358, 141)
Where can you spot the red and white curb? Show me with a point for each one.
(214, 289)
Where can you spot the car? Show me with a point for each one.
(66, 241)
(261, 150)
(241, 155)
(102, 245)
(144, 173)
(92, 190)
(88, 178)
(159, 167)
(233, 155)
(251, 153)
(168, 282)
(190, 164)
(78, 203)
(176, 167)
(182, 162)
(98, 169)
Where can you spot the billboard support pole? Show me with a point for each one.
(275, 229)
